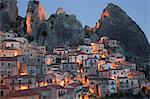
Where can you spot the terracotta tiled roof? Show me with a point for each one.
(28, 92)
(21, 93)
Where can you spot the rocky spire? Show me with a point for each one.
(35, 15)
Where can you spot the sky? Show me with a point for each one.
(89, 11)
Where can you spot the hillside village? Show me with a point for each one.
(97, 70)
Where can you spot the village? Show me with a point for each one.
(29, 71)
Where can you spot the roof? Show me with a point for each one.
(3, 87)
(55, 86)
(19, 76)
(11, 40)
(8, 58)
(75, 84)
(28, 92)
(20, 93)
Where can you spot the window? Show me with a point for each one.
(13, 82)
(122, 73)
(8, 64)
(29, 81)
(114, 72)
(2, 82)
(12, 45)
(86, 50)
(2, 64)
(12, 88)
(131, 83)
(19, 81)
(2, 93)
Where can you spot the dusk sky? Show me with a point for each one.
(89, 11)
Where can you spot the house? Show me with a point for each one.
(1, 35)
(35, 93)
(74, 90)
(97, 47)
(11, 43)
(49, 78)
(104, 40)
(72, 57)
(128, 85)
(102, 86)
(126, 64)
(85, 48)
(4, 91)
(69, 67)
(10, 52)
(115, 73)
(20, 82)
(81, 57)
(113, 43)
(21, 39)
(42, 48)
(90, 62)
(9, 35)
(57, 92)
(103, 54)
(8, 67)
(136, 74)
(24, 94)
(107, 66)
(62, 52)
(2, 45)
(50, 58)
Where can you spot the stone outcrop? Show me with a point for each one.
(8, 14)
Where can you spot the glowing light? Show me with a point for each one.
(22, 73)
(43, 84)
(23, 87)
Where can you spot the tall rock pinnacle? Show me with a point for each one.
(35, 16)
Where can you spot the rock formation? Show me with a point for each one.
(7, 18)
(116, 24)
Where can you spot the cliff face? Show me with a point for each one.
(6, 16)
(63, 30)
(116, 24)
(60, 29)
(34, 17)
